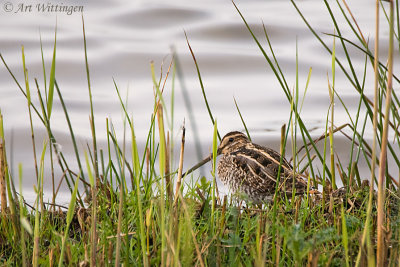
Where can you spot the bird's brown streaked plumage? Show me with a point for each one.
(252, 169)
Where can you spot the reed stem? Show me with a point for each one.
(381, 247)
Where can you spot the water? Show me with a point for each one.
(125, 37)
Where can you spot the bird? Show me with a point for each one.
(252, 170)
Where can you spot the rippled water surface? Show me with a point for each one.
(124, 37)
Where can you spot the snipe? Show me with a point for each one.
(251, 169)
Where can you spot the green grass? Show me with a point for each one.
(132, 215)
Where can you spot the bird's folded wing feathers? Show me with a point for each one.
(263, 165)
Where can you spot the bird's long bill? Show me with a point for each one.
(198, 165)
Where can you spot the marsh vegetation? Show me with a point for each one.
(135, 208)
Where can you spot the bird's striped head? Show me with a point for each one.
(232, 142)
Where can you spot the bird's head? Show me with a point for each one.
(231, 142)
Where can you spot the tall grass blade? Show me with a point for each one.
(120, 211)
(381, 246)
(162, 174)
(92, 124)
(345, 237)
(93, 182)
(241, 118)
(163, 157)
(28, 96)
(214, 161)
(180, 168)
(43, 65)
(3, 177)
(367, 228)
(332, 104)
(52, 77)
(25, 226)
(39, 199)
(201, 84)
(72, 134)
(138, 174)
(70, 214)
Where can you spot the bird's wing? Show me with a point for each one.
(251, 175)
(274, 156)
(263, 163)
(260, 167)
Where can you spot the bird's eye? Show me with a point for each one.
(230, 140)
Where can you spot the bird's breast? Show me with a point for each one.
(229, 172)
